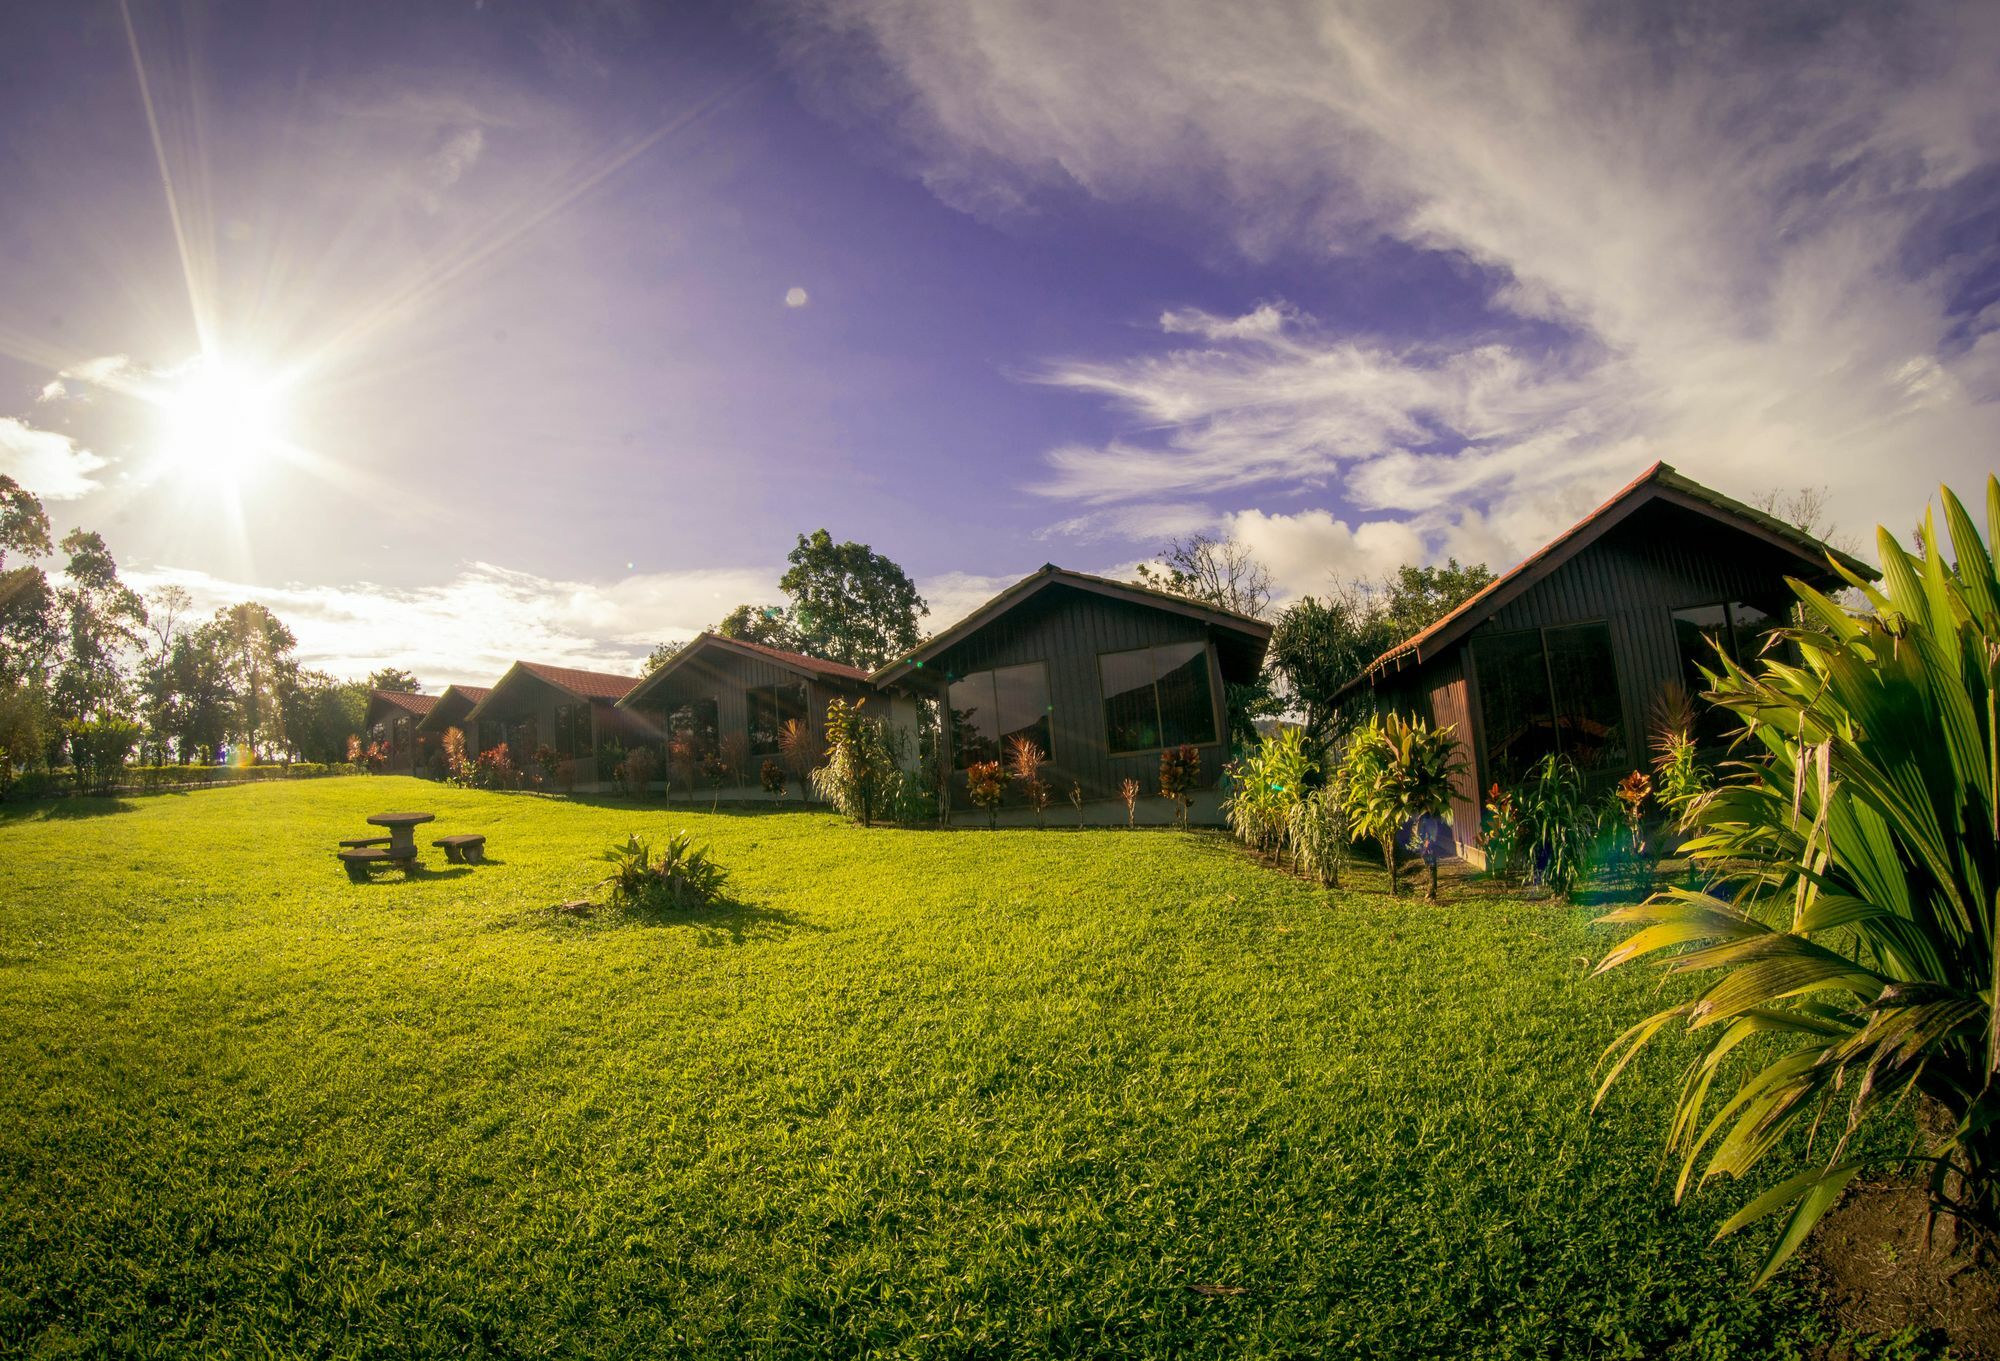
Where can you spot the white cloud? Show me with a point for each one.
(1724, 225)
(46, 462)
(473, 626)
(1312, 551)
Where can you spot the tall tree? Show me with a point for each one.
(770, 625)
(255, 650)
(28, 626)
(166, 621)
(1218, 572)
(396, 680)
(101, 617)
(202, 704)
(1417, 597)
(320, 713)
(850, 604)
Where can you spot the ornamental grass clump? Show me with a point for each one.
(1852, 918)
(1265, 784)
(1317, 827)
(1558, 838)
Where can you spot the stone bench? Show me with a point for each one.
(357, 859)
(464, 849)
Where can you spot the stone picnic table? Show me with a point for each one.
(402, 831)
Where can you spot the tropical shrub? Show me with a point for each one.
(1851, 915)
(1128, 790)
(635, 772)
(547, 761)
(1398, 778)
(1680, 776)
(1317, 826)
(773, 777)
(1180, 771)
(1024, 765)
(911, 800)
(986, 785)
(734, 750)
(1076, 800)
(1558, 826)
(607, 759)
(1264, 786)
(456, 768)
(715, 770)
(681, 876)
(683, 762)
(1631, 844)
(860, 773)
(495, 769)
(1501, 834)
(800, 750)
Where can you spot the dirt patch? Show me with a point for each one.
(1882, 1277)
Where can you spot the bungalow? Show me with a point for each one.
(1570, 651)
(449, 712)
(734, 699)
(532, 706)
(1101, 675)
(391, 720)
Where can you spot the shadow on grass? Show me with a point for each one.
(64, 810)
(652, 803)
(727, 921)
(416, 874)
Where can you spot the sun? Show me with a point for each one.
(222, 420)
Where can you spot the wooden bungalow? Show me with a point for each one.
(533, 705)
(733, 698)
(392, 719)
(1101, 675)
(1570, 651)
(449, 712)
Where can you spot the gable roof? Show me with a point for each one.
(417, 705)
(1051, 575)
(470, 695)
(1661, 482)
(815, 668)
(592, 685)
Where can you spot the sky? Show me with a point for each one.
(460, 332)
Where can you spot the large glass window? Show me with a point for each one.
(1738, 629)
(990, 709)
(1157, 697)
(694, 722)
(771, 708)
(572, 724)
(1550, 690)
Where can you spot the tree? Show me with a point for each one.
(166, 611)
(1218, 572)
(849, 603)
(1417, 597)
(101, 617)
(255, 651)
(200, 700)
(770, 625)
(320, 713)
(661, 655)
(395, 680)
(24, 525)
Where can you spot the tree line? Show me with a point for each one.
(93, 671)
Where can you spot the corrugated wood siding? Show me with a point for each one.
(1067, 630)
(1661, 559)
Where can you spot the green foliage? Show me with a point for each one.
(849, 603)
(1559, 826)
(1852, 917)
(860, 775)
(770, 625)
(24, 733)
(100, 617)
(1264, 786)
(98, 751)
(1217, 572)
(395, 680)
(1317, 827)
(1502, 835)
(681, 876)
(1398, 777)
(898, 1095)
(24, 525)
(773, 778)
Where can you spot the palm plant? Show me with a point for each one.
(1265, 784)
(1861, 851)
(1400, 775)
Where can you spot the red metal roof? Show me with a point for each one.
(587, 684)
(475, 693)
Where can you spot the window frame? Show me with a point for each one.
(1217, 724)
(1554, 707)
(804, 714)
(1048, 711)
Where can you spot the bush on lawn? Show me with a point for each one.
(1265, 785)
(1180, 770)
(682, 875)
(98, 751)
(1855, 911)
(1558, 832)
(1398, 776)
(860, 776)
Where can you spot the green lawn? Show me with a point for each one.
(925, 1093)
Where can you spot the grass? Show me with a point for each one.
(913, 1093)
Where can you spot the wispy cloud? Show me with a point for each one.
(47, 462)
(1732, 244)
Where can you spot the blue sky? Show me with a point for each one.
(565, 320)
